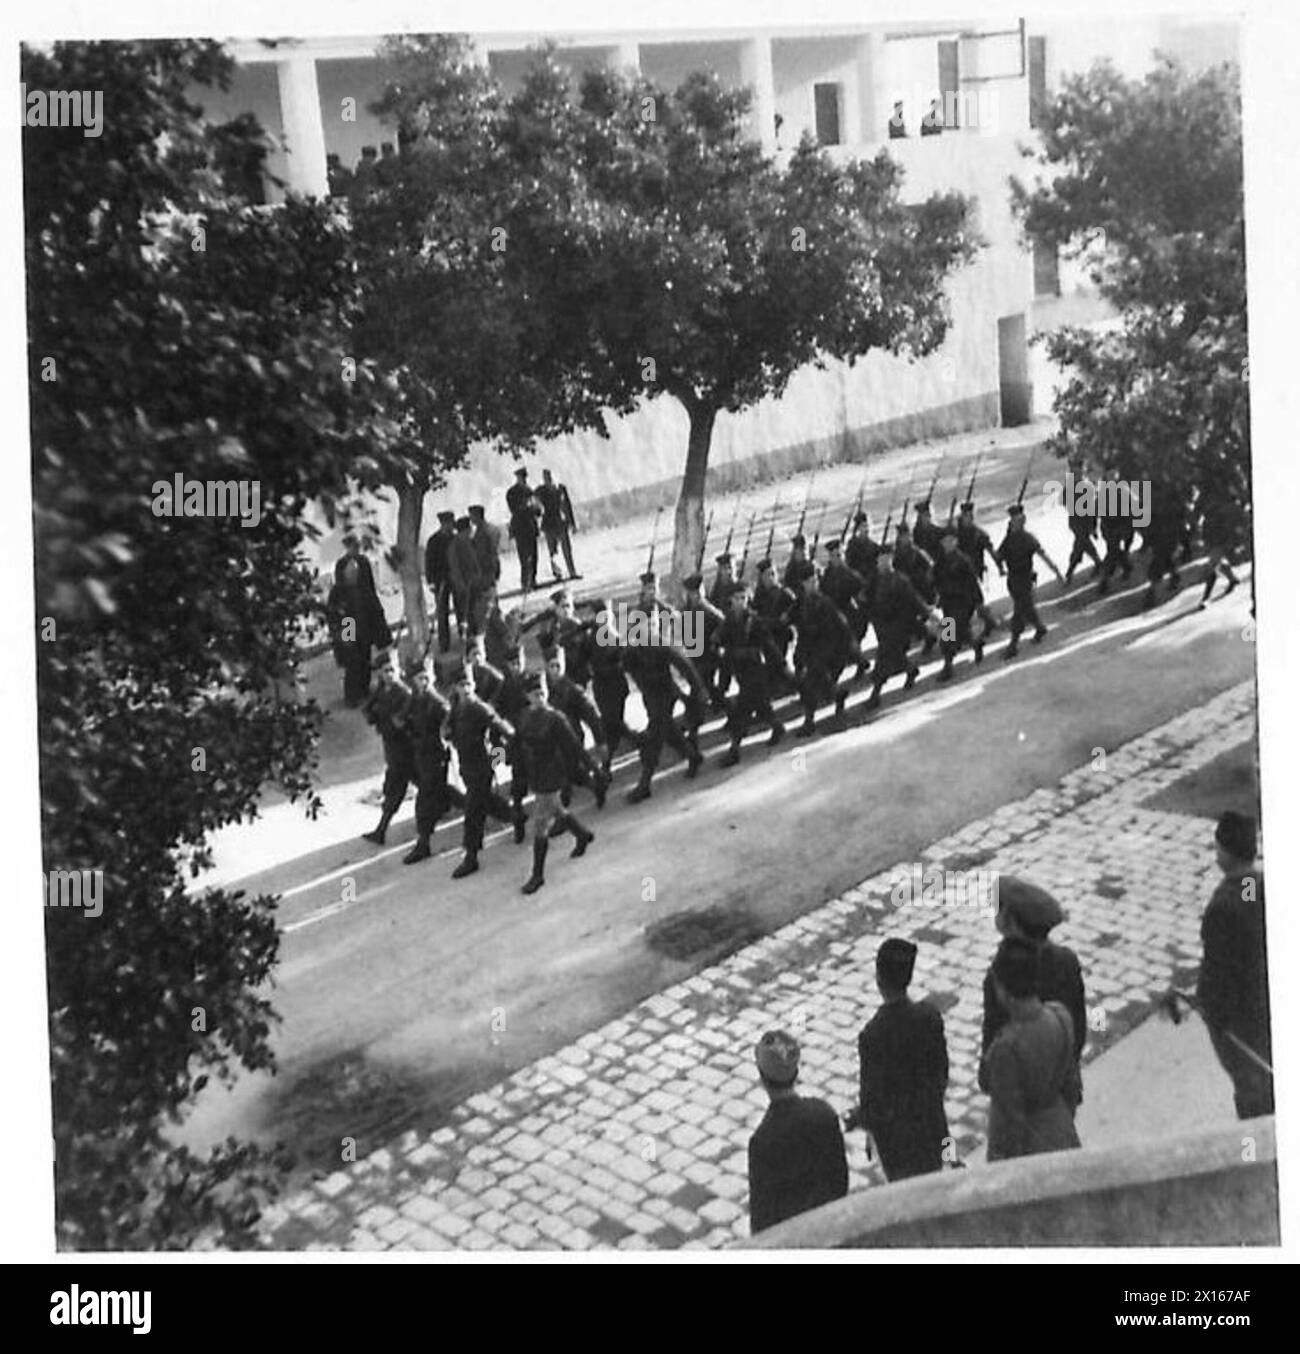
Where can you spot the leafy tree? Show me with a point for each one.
(1143, 179)
(728, 273)
(173, 328)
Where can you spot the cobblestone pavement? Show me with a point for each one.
(634, 1137)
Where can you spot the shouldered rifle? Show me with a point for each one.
(970, 488)
(907, 500)
(1024, 483)
(853, 511)
(956, 493)
(884, 535)
(731, 530)
(654, 540)
(817, 535)
(771, 531)
(807, 499)
(744, 552)
(704, 543)
(934, 482)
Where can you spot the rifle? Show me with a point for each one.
(956, 491)
(884, 535)
(744, 553)
(731, 530)
(817, 535)
(704, 543)
(934, 483)
(970, 488)
(902, 516)
(771, 534)
(853, 512)
(654, 540)
(807, 498)
(1024, 483)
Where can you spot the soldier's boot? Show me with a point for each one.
(778, 733)
(467, 866)
(641, 790)
(538, 876)
(732, 754)
(873, 700)
(377, 836)
(1232, 578)
(1210, 579)
(946, 674)
(840, 722)
(913, 672)
(694, 760)
(978, 646)
(566, 795)
(1012, 649)
(600, 779)
(991, 622)
(864, 666)
(558, 827)
(420, 851)
(1040, 634)
(584, 836)
(519, 819)
(809, 725)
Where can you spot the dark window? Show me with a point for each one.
(1047, 270)
(826, 111)
(949, 84)
(1037, 80)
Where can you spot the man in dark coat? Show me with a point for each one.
(846, 588)
(707, 617)
(1029, 913)
(1222, 522)
(557, 521)
(581, 712)
(425, 720)
(524, 514)
(751, 654)
(977, 545)
(903, 1071)
(1083, 529)
(794, 565)
(466, 577)
(825, 647)
(609, 688)
(487, 546)
(1016, 554)
(897, 614)
(356, 620)
(1233, 985)
(796, 1155)
(437, 572)
(1162, 536)
(471, 720)
(1117, 533)
(959, 597)
(773, 605)
(925, 532)
(387, 708)
(550, 750)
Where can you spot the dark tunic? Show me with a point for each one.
(796, 1161)
(550, 749)
(975, 543)
(903, 1074)
(1233, 986)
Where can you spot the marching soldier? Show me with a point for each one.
(917, 566)
(471, 720)
(825, 646)
(1016, 554)
(751, 654)
(772, 604)
(560, 621)
(1117, 534)
(1163, 535)
(1083, 527)
(925, 533)
(860, 555)
(708, 665)
(578, 708)
(794, 565)
(959, 597)
(427, 716)
(724, 576)
(899, 610)
(651, 666)
(976, 544)
(550, 750)
(609, 687)
(387, 708)
(503, 688)
(847, 589)
(1221, 525)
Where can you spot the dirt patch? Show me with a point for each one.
(707, 935)
(1230, 781)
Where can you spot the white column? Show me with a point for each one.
(625, 55)
(869, 66)
(304, 127)
(756, 72)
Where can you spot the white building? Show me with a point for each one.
(846, 85)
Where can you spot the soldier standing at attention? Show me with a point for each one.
(751, 654)
(387, 708)
(523, 527)
(898, 612)
(903, 1072)
(959, 596)
(796, 1155)
(1016, 554)
(472, 719)
(550, 749)
(427, 716)
(825, 646)
(976, 544)
(557, 522)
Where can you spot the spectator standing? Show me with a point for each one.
(466, 579)
(523, 527)
(558, 522)
(437, 572)
(357, 622)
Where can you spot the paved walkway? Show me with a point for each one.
(635, 1136)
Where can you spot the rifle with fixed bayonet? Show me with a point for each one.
(731, 530)
(704, 543)
(817, 535)
(934, 482)
(654, 541)
(771, 532)
(853, 511)
(970, 488)
(1024, 483)
(744, 552)
(807, 499)
(956, 494)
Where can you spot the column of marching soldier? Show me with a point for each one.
(802, 633)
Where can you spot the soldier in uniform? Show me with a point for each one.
(976, 544)
(1083, 528)
(471, 720)
(466, 578)
(1117, 535)
(438, 576)
(825, 646)
(959, 597)
(557, 521)
(794, 565)
(924, 531)
(724, 575)
(560, 623)
(751, 654)
(1163, 536)
(847, 589)
(708, 664)
(860, 554)
(579, 709)
(1220, 528)
(387, 708)
(899, 611)
(652, 666)
(503, 688)
(427, 714)
(523, 527)
(609, 687)
(550, 751)
(903, 1071)
(1016, 554)
(356, 620)
(773, 604)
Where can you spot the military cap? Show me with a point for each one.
(1236, 834)
(734, 590)
(448, 517)
(724, 558)
(923, 506)
(777, 1056)
(1016, 510)
(476, 510)
(1033, 908)
(522, 472)
(968, 506)
(413, 668)
(561, 595)
(833, 544)
(649, 576)
(534, 681)
(798, 539)
(859, 518)
(895, 961)
(803, 571)
(382, 659)
(692, 582)
(763, 566)
(462, 523)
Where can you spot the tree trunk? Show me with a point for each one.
(410, 565)
(689, 532)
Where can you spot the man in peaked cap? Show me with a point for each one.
(710, 615)
(487, 545)
(724, 576)
(437, 574)
(1016, 554)
(1028, 912)
(387, 709)
(924, 532)
(798, 558)
(469, 724)
(898, 612)
(751, 654)
(524, 515)
(1233, 985)
(903, 1071)
(977, 545)
(959, 598)
(558, 521)
(796, 1155)
(826, 646)
(426, 718)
